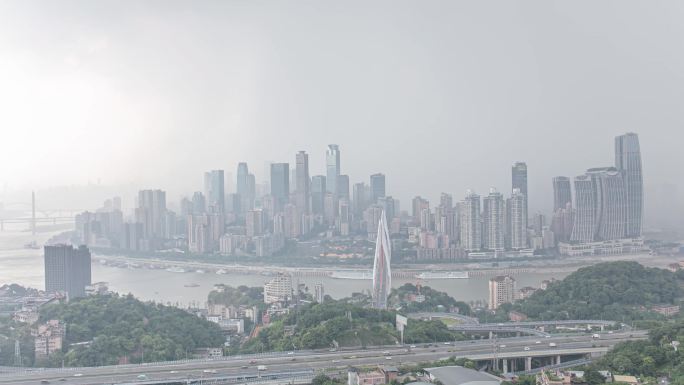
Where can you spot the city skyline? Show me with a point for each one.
(466, 101)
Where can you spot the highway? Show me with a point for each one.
(321, 360)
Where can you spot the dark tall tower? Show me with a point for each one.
(519, 181)
(628, 162)
(67, 269)
(562, 192)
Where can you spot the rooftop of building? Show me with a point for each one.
(458, 375)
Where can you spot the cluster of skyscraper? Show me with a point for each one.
(258, 218)
(493, 223)
(607, 213)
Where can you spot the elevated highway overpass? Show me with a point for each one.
(504, 353)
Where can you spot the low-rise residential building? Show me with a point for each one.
(375, 377)
(49, 338)
(666, 310)
(517, 316)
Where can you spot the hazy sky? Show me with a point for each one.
(440, 96)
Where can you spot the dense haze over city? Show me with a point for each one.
(322, 192)
(439, 96)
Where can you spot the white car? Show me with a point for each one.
(212, 371)
(526, 348)
(290, 353)
(537, 342)
(388, 358)
(78, 375)
(502, 346)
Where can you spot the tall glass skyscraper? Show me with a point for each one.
(377, 187)
(601, 206)
(493, 221)
(471, 236)
(280, 184)
(302, 182)
(332, 164)
(382, 276)
(214, 190)
(628, 162)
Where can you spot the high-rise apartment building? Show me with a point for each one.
(493, 221)
(255, 223)
(279, 289)
(601, 212)
(609, 188)
(628, 162)
(151, 212)
(585, 222)
(377, 187)
(418, 204)
(517, 214)
(471, 238)
(562, 192)
(332, 166)
(67, 269)
(446, 201)
(501, 290)
(303, 183)
(519, 181)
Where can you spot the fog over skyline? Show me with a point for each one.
(439, 96)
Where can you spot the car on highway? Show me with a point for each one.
(211, 371)
(552, 345)
(44, 381)
(290, 353)
(412, 346)
(78, 375)
(336, 361)
(537, 342)
(252, 361)
(526, 348)
(142, 377)
(244, 367)
(502, 346)
(174, 372)
(388, 358)
(386, 352)
(447, 343)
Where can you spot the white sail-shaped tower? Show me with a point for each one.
(382, 275)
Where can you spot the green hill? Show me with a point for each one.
(613, 291)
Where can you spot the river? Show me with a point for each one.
(25, 267)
